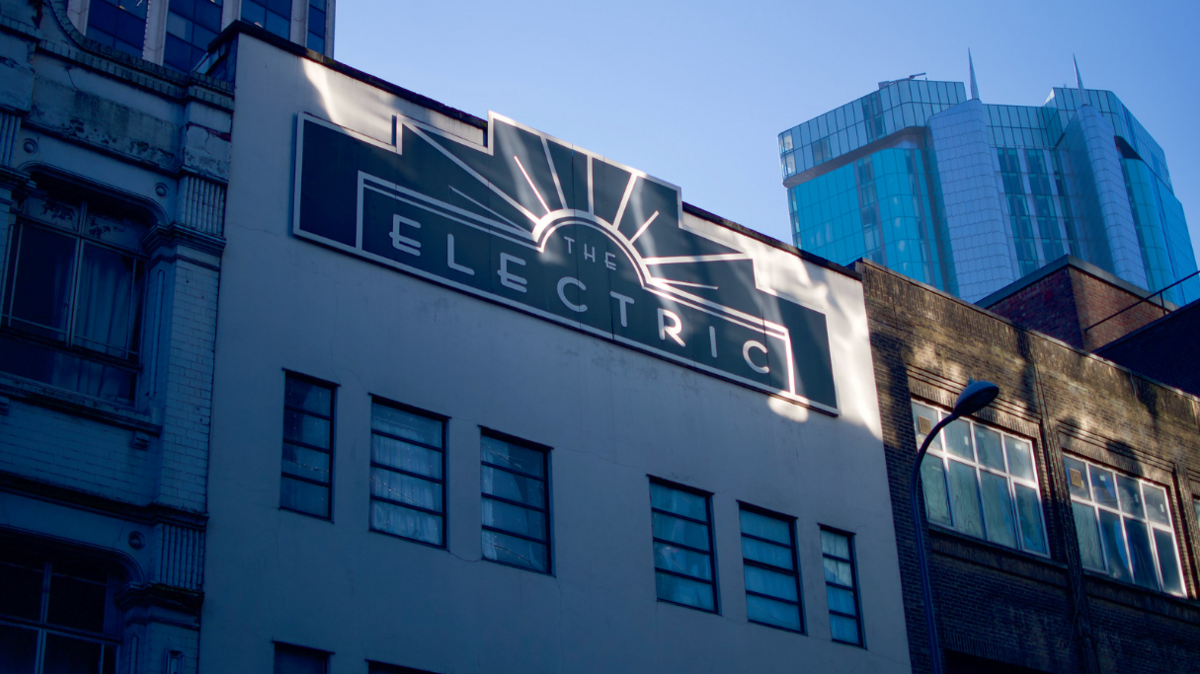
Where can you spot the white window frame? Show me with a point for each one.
(937, 451)
(1151, 525)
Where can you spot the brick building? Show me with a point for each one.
(1062, 518)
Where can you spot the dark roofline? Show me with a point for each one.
(1152, 325)
(1012, 324)
(1067, 261)
(240, 26)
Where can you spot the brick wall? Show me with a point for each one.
(998, 605)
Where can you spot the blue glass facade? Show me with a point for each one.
(866, 180)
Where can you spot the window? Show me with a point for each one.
(981, 482)
(297, 660)
(57, 616)
(841, 586)
(316, 25)
(72, 297)
(683, 551)
(120, 24)
(516, 503)
(408, 465)
(191, 25)
(274, 15)
(307, 445)
(1124, 527)
(769, 563)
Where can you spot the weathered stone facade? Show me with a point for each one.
(1000, 609)
(125, 164)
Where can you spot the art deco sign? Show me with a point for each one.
(563, 234)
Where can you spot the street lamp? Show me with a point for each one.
(976, 396)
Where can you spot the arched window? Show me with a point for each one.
(70, 314)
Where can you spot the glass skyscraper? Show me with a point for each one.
(969, 197)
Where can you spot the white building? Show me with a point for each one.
(487, 402)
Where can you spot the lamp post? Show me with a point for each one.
(976, 396)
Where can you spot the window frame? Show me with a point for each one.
(72, 343)
(109, 637)
(937, 450)
(712, 548)
(332, 387)
(544, 450)
(794, 572)
(445, 424)
(1152, 526)
(857, 589)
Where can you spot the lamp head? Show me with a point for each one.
(976, 396)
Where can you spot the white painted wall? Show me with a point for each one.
(612, 415)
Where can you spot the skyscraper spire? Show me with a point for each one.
(974, 84)
(1079, 80)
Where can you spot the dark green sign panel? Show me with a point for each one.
(563, 234)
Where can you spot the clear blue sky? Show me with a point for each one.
(694, 93)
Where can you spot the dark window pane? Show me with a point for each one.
(766, 553)
(513, 457)
(185, 8)
(316, 22)
(406, 522)
(39, 298)
(933, 484)
(780, 614)
(406, 457)
(76, 603)
(997, 509)
(65, 655)
(406, 489)
(308, 396)
(964, 496)
(103, 16)
(844, 629)
(131, 29)
(779, 585)
(406, 425)
(202, 37)
(672, 558)
(278, 25)
(310, 430)
(678, 502)
(1086, 528)
(307, 463)
(208, 14)
(1141, 556)
(63, 370)
(517, 551)
(684, 591)
(514, 519)
(316, 44)
(681, 531)
(496, 482)
(1029, 513)
(18, 650)
(304, 497)
(254, 13)
(22, 592)
(1114, 546)
(108, 297)
(281, 7)
(177, 54)
(1165, 543)
(766, 527)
